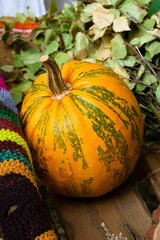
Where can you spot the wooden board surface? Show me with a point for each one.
(121, 212)
(151, 163)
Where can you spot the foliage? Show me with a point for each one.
(121, 34)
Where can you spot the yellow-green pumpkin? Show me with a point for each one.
(84, 127)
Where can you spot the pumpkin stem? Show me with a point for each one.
(56, 85)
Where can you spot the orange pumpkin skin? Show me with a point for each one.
(85, 143)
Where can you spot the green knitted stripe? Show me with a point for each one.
(15, 137)
(7, 113)
(7, 155)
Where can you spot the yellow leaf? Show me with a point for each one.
(155, 32)
(120, 71)
(102, 17)
(105, 49)
(156, 17)
(120, 24)
(81, 54)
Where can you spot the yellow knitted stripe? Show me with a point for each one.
(49, 235)
(6, 135)
(17, 167)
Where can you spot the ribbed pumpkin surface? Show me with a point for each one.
(87, 142)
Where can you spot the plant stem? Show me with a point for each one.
(56, 85)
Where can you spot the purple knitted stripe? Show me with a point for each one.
(7, 100)
(2, 83)
(30, 218)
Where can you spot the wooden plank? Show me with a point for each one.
(121, 212)
(151, 165)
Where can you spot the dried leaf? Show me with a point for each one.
(104, 51)
(155, 32)
(102, 17)
(120, 24)
(81, 45)
(97, 33)
(87, 12)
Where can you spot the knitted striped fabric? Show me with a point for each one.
(23, 215)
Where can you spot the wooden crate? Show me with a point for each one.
(122, 214)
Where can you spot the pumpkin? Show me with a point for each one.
(84, 128)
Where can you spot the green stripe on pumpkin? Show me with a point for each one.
(112, 101)
(105, 129)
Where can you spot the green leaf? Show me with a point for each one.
(135, 41)
(22, 87)
(153, 48)
(17, 97)
(158, 93)
(30, 15)
(30, 56)
(53, 7)
(21, 17)
(67, 39)
(128, 61)
(131, 8)
(155, 6)
(47, 35)
(39, 38)
(144, 1)
(129, 84)
(34, 67)
(118, 47)
(29, 76)
(146, 38)
(115, 3)
(5, 35)
(149, 78)
(7, 68)
(104, 2)
(51, 48)
(141, 71)
(62, 58)
(17, 60)
(155, 110)
(64, 27)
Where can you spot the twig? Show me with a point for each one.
(138, 53)
(138, 81)
(131, 17)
